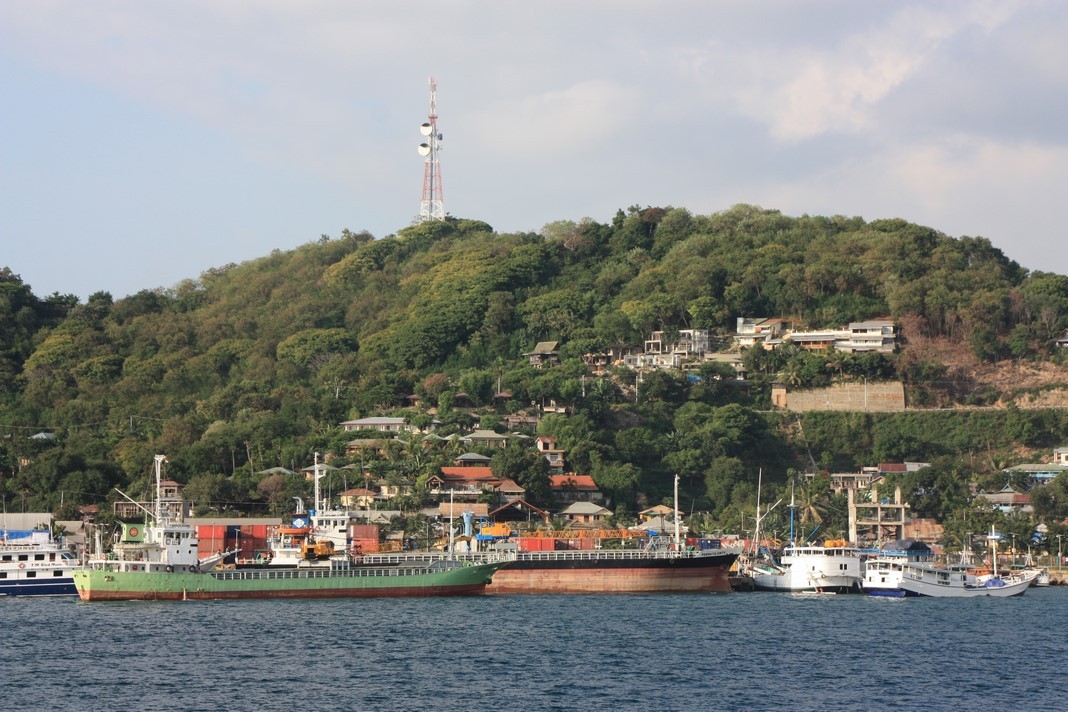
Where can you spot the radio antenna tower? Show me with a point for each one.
(432, 206)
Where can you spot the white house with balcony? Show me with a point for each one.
(877, 335)
(757, 330)
(382, 425)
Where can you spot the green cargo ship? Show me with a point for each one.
(105, 582)
(160, 560)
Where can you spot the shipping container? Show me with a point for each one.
(212, 538)
(364, 531)
(536, 544)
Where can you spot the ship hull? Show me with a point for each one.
(41, 587)
(105, 585)
(588, 572)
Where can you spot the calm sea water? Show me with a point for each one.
(685, 652)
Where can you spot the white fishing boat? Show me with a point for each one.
(956, 582)
(834, 567)
(882, 573)
(33, 563)
(961, 580)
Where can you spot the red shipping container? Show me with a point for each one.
(533, 544)
(211, 538)
(364, 531)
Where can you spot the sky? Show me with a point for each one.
(142, 144)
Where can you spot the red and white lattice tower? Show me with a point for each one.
(432, 206)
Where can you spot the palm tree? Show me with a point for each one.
(811, 501)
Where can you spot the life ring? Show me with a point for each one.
(134, 531)
(169, 569)
(22, 566)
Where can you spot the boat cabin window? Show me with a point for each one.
(31, 574)
(3, 574)
(57, 572)
(23, 557)
(38, 557)
(7, 557)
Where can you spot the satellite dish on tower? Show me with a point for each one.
(426, 129)
(424, 149)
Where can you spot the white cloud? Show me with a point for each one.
(801, 92)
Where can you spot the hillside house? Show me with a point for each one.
(877, 335)
(659, 510)
(687, 343)
(585, 514)
(463, 482)
(1039, 473)
(1008, 500)
(643, 361)
(472, 459)
(370, 447)
(508, 490)
(819, 340)
(386, 490)
(599, 362)
(381, 424)
(485, 438)
(547, 447)
(757, 330)
(575, 488)
(544, 354)
(357, 498)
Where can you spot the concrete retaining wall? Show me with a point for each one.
(884, 397)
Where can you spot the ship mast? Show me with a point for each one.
(315, 473)
(160, 459)
(678, 540)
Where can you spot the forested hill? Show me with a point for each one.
(254, 365)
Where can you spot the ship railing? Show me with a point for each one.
(475, 557)
(268, 575)
(600, 554)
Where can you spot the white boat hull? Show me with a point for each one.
(801, 581)
(811, 568)
(950, 583)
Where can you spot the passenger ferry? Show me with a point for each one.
(32, 563)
